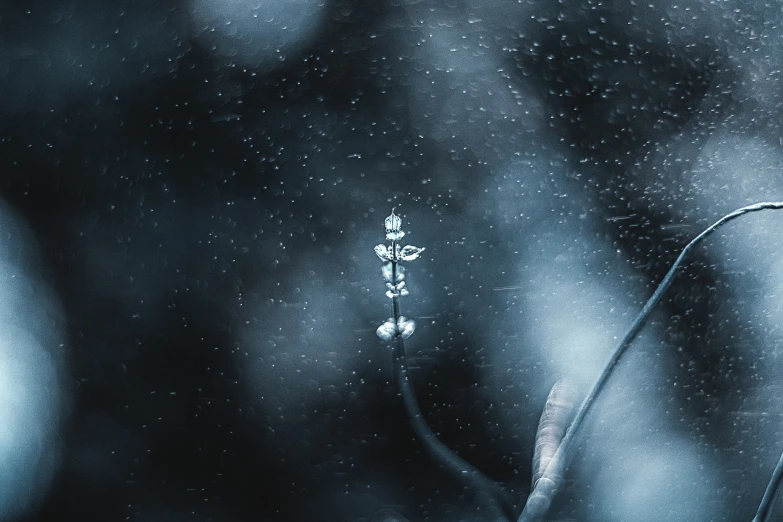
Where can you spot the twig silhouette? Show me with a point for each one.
(539, 501)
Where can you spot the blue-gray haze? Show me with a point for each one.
(190, 194)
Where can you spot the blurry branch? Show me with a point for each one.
(398, 328)
(547, 485)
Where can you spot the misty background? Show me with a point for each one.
(190, 194)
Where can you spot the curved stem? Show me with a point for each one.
(534, 510)
(765, 508)
(463, 470)
(437, 450)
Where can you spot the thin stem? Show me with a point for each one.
(767, 501)
(562, 456)
(395, 299)
(463, 470)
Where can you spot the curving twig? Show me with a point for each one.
(539, 501)
(765, 508)
(459, 467)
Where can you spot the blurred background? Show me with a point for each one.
(190, 194)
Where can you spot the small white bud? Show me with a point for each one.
(393, 224)
(406, 327)
(387, 330)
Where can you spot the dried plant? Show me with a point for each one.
(398, 328)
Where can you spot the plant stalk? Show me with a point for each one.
(440, 452)
(768, 500)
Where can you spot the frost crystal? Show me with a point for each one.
(386, 331)
(394, 227)
(396, 290)
(395, 236)
(383, 252)
(399, 286)
(410, 253)
(404, 328)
